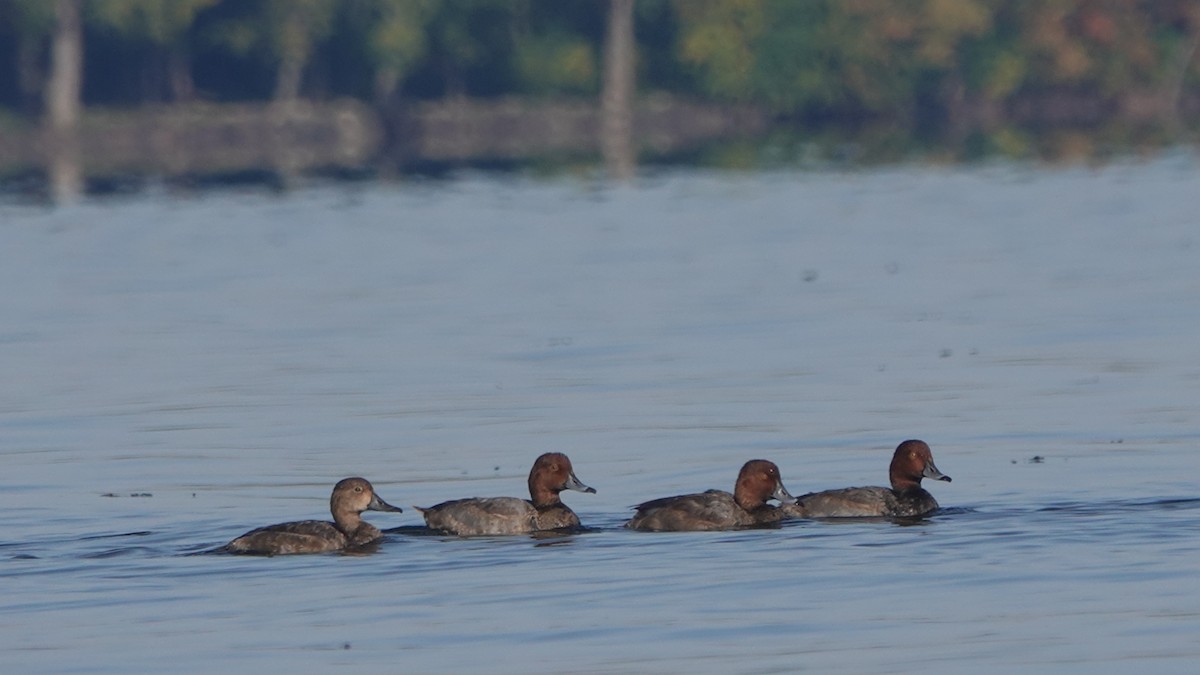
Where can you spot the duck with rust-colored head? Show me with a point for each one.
(906, 498)
(351, 496)
(477, 516)
(757, 482)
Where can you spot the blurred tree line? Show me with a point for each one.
(912, 60)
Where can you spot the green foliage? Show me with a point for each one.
(272, 29)
(159, 21)
(293, 27)
(470, 36)
(394, 37)
(395, 34)
(556, 63)
(862, 54)
(897, 58)
(27, 17)
(718, 38)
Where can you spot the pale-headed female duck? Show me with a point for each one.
(757, 482)
(351, 496)
(551, 474)
(906, 498)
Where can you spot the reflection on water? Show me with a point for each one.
(179, 371)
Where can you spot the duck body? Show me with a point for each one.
(351, 496)
(858, 502)
(758, 481)
(482, 516)
(708, 510)
(302, 536)
(911, 462)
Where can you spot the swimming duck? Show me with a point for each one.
(351, 496)
(911, 462)
(551, 474)
(757, 482)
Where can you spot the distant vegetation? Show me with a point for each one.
(103, 92)
(912, 61)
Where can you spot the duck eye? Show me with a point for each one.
(358, 488)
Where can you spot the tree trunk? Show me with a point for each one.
(616, 106)
(387, 83)
(1178, 73)
(64, 87)
(64, 94)
(179, 75)
(291, 73)
(293, 56)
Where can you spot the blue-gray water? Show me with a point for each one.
(175, 371)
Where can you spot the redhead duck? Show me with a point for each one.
(757, 482)
(906, 498)
(551, 474)
(351, 496)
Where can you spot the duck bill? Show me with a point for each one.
(573, 483)
(782, 494)
(931, 471)
(378, 504)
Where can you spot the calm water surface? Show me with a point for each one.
(178, 370)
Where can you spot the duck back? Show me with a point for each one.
(305, 536)
(711, 510)
(860, 502)
(483, 516)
